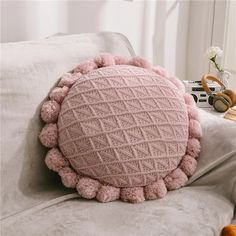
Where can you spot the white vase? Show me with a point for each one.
(224, 76)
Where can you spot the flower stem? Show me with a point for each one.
(213, 59)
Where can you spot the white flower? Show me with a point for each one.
(213, 51)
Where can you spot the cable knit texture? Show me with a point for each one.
(123, 125)
(127, 129)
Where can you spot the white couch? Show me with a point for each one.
(33, 201)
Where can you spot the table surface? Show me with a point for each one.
(218, 114)
(213, 112)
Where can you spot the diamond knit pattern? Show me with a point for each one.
(123, 125)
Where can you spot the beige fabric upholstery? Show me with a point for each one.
(34, 202)
(28, 71)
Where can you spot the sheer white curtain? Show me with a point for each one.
(229, 60)
(156, 29)
(173, 33)
(29, 20)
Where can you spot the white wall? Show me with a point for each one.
(157, 29)
(172, 33)
(171, 36)
(229, 59)
(199, 38)
(30, 20)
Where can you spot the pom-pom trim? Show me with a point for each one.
(90, 188)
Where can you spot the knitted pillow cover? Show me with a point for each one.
(121, 129)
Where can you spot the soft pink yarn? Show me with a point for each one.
(195, 130)
(193, 147)
(141, 102)
(160, 71)
(177, 83)
(189, 99)
(188, 165)
(68, 177)
(193, 113)
(58, 94)
(120, 60)
(87, 187)
(50, 111)
(83, 173)
(140, 62)
(49, 135)
(133, 195)
(155, 190)
(69, 79)
(174, 80)
(176, 179)
(86, 67)
(55, 160)
(104, 59)
(108, 194)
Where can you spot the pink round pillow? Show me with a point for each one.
(121, 129)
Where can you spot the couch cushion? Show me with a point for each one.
(189, 211)
(28, 71)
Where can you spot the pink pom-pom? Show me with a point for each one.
(58, 94)
(86, 67)
(160, 71)
(188, 165)
(55, 160)
(69, 79)
(120, 60)
(104, 59)
(193, 147)
(87, 187)
(155, 190)
(140, 62)
(68, 177)
(108, 194)
(176, 179)
(193, 113)
(174, 80)
(49, 135)
(189, 100)
(133, 195)
(50, 111)
(195, 130)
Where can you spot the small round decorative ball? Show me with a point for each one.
(50, 111)
(58, 94)
(49, 135)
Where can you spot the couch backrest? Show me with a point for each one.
(28, 71)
